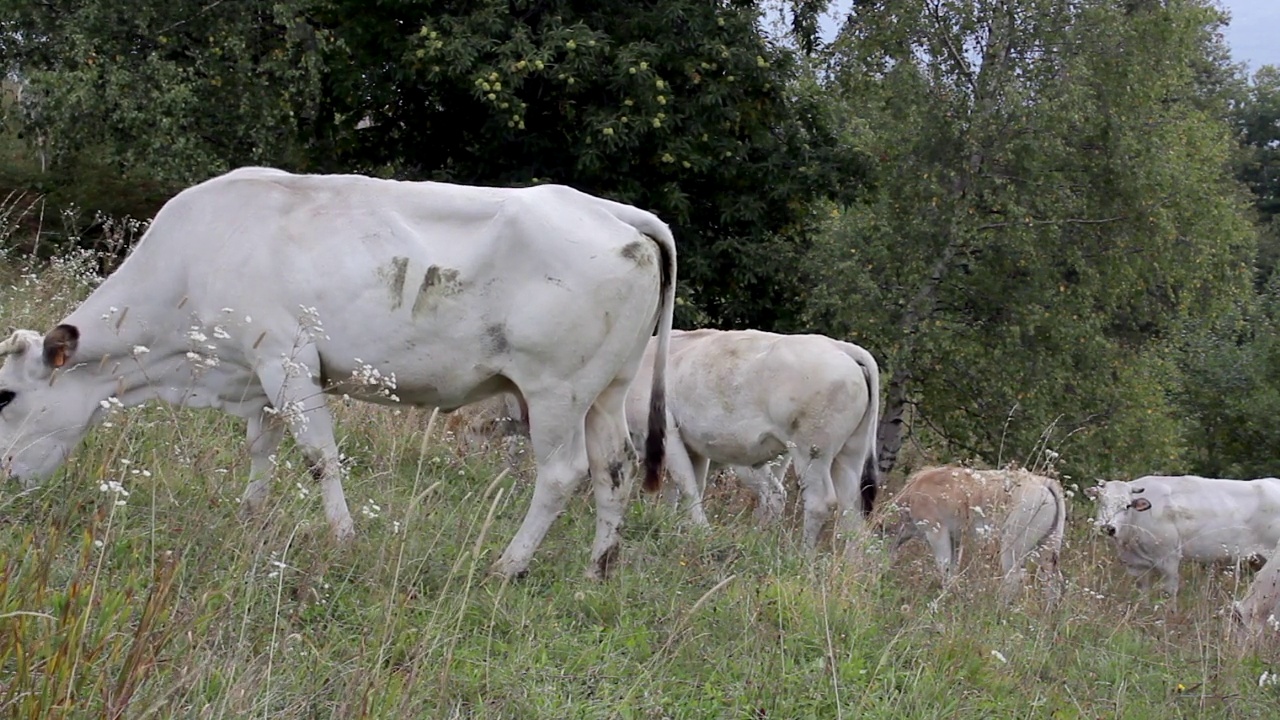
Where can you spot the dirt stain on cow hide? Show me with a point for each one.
(496, 339)
(636, 252)
(393, 275)
(437, 283)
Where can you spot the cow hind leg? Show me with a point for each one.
(1030, 529)
(943, 545)
(817, 490)
(612, 461)
(847, 476)
(558, 437)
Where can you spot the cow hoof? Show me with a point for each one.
(603, 566)
(344, 532)
(508, 570)
(249, 510)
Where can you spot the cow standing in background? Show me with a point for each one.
(503, 419)
(259, 290)
(744, 397)
(941, 504)
(1157, 521)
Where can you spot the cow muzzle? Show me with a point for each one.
(1109, 529)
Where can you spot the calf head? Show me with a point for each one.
(1114, 499)
(44, 411)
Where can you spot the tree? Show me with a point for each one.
(1051, 206)
(680, 106)
(172, 91)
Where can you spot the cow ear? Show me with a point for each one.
(60, 345)
(1141, 504)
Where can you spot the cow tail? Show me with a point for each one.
(1059, 522)
(655, 442)
(869, 427)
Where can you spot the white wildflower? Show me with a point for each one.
(116, 489)
(111, 404)
(293, 368)
(999, 656)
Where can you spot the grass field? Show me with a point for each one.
(162, 603)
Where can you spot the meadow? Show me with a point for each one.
(131, 589)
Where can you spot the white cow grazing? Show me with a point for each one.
(258, 290)
(744, 397)
(1159, 520)
(941, 504)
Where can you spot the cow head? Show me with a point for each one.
(44, 410)
(1114, 499)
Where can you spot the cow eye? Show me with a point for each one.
(6, 397)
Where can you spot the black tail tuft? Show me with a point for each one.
(870, 483)
(655, 443)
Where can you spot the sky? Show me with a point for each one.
(1253, 34)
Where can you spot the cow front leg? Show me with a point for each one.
(264, 437)
(299, 405)
(1168, 569)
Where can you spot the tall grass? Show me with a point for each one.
(129, 589)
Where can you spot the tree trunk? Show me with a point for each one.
(890, 433)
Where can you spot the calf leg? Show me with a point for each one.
(683, 466)
(766, 484)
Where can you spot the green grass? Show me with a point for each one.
(169, 606)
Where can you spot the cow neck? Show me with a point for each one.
(118, 341)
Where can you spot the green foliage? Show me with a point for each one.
(680, 107)
(171, 92)
(1032, 235)
(1257, 117)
